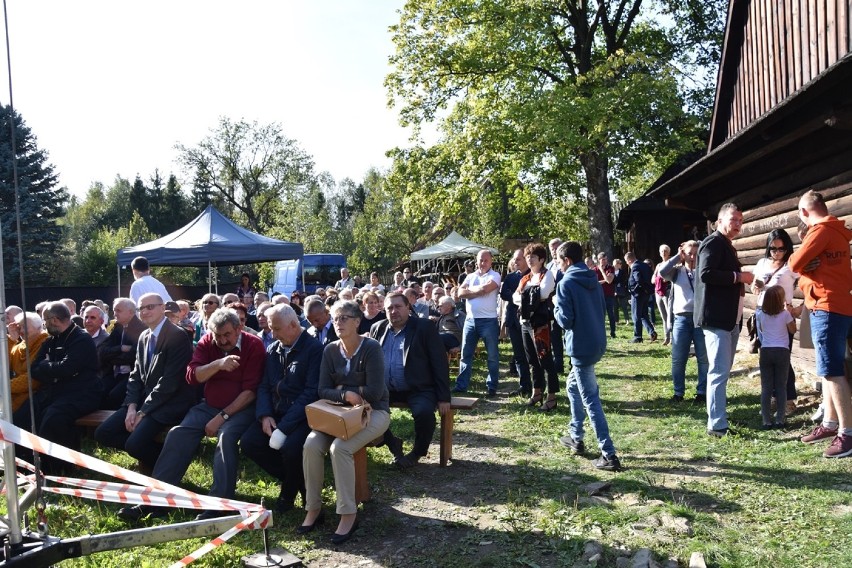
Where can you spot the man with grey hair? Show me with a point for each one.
(118, 353)
(228, 362)
(290, 381)
(93, 322)
(66, 368)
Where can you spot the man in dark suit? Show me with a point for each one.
(416, 372)
(118, 353)
(640, 288)
(717, 309)
(158, 395)
(320, 328)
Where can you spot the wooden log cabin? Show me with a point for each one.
(782, 124)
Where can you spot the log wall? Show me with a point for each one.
(786, 44)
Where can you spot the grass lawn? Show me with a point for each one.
(514, 497)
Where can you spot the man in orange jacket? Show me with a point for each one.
(827, 295)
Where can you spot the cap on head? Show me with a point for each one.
(172, 308)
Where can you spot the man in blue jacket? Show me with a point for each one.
(640, 288)
(290, 382)
(579, 311)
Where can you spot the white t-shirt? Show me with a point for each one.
(148, 285)
(772, 330)
(482, 306)
(785, 278)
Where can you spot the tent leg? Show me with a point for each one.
(209, 277)
(118, 266)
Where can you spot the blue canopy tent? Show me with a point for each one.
(211, 239)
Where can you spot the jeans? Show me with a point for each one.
(182, 441)
(639, 309)
(721, 346)
(609, 302)
(584, 397)
(489, 330)
(519, 359)
(829, 332)
(685, 333)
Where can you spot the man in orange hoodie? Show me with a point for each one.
(827, 295)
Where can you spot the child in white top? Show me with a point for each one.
(774, 324)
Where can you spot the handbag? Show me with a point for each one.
(337, 419)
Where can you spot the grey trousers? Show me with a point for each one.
(342, 463)
(774, 367)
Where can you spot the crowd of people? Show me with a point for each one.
(242, 367)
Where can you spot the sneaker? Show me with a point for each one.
(819, 433)
(577, 446)
(677, 398)
(608, 463)
(841, 446)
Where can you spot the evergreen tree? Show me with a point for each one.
(41, 204)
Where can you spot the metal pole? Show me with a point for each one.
(118, 266)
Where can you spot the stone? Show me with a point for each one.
(679, 525)
(592, 548)
(596, 488)
(697, 560)
(642, 558)
(622, 562)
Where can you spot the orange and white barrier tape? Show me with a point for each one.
(148, 491)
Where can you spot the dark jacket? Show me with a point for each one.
(329, 337)
(289, 382)
(507, 288)
(621, 281)
(110, 350)
(423, 356)
(159, 388)
(67, 365)
(717, 295)
(639, 282)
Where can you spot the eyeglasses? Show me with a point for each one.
(777, 249)
(207, 302)
(341, 319)
(148, 307)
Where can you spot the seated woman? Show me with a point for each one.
(32, 340)
(372, 312)
(352, 371)
(448, 326)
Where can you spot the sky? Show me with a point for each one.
(109, 87)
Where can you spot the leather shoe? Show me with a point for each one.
(395, 447)
(305, 529)
(139, 512)
(407, 461)
(341, 538)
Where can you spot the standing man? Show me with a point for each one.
(144, 283)
(479, 290)
(513, 324)
(579, 309)
(556, 343)
(416, 372)
(118, 352)
(621, 295)
(345, 280)
(229, 363)
(640, 288)
(827, 296)
(680, 271)
(717, 309)
(290, 381)
(66, 369)
(157, 395)
(606, 278)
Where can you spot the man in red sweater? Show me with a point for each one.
(827, 295)
(229, 363)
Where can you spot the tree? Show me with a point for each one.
(560, 87)
(41, 202)
(252, 167)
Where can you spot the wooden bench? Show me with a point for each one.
(91, 421)
(362, 487)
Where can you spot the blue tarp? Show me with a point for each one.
(211, 239)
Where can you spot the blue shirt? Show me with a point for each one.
(394, 368)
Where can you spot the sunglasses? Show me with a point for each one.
(210, 302)
(777, 249)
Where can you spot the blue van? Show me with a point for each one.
(307, 273)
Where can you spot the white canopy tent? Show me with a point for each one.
(454, 246)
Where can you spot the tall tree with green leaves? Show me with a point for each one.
(560, 87)
(253, 167)
(42, 204)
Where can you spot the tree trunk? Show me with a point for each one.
(596, 167)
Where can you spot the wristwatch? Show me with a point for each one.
(224, 415)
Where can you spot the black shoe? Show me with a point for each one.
(214, 514)
(610, 463)
(612, 336)
(577, 446)
(677, 398)
(492, 393)
(636, 340)
(341, 538)
(407, 461)
(700, 398)
(305, 529)
(720, 433)
(766, 427)
(654, 336)
(395, 447)
(283, 505)
(139, 512)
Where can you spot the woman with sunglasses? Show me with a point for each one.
(772, 270)
(352, 372)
